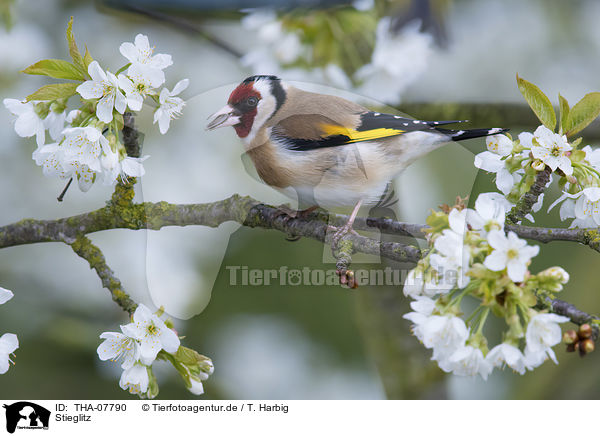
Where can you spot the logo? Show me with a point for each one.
(26, 415)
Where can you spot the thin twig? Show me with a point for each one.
(185, 25)
(84, 248)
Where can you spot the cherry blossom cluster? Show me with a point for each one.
(85, 142)
(8, 341)
(144, 340)
(516, 164)
(299, 48)
(472, 258)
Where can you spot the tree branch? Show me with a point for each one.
(526, 202)
(119, 213)
(564, 308)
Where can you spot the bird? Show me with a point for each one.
(324, 150)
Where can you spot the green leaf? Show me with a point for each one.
(539, 102)
(56, 68)
(583, 113)
(54, 92)
(564, 112)
(73, 50)
(87, 58)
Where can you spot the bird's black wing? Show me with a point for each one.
(309, 132)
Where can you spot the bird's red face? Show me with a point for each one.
(240, 111)
(244, 100)
(250, 105)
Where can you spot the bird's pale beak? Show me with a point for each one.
(227, 116)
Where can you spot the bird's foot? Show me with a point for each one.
(288, 213)
(340, 232)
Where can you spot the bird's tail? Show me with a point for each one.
(459, 135)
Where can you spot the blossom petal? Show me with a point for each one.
(160, 61)
(180, 86)
(497, 239)
(496, 261)
(149, 348)
(8, 343)
(17, 107)
(120, 102)
(516, 271)
(90, 89)
(104, 108)
(129, 51)
(169, 340)
(5, 295)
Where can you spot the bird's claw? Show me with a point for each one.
(340, 232)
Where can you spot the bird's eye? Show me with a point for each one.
(252, 101)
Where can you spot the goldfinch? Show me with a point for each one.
(325, 150)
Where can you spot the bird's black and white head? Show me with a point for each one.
(250, 105)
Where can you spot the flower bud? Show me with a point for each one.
(586, 346)
(585, 331)
(557, 273)
(538, 165)
(570, 337)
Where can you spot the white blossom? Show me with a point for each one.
(467, 361)
(152, 333)
(276, 46)
(145, 65)
(135, 379)
(423, 308)
(105, 87)
(136, 87)
(592, 156)
(170, 105)
(507, 354)
(28, 121)
(133, 167)
(499, 144)
(83, 146)
(510, 253)
(543, 332)
(445, 334)
(398, 59)
(533, 359)
(5, 295)
(488, 215)
(52, 159)
(584, 206)
(8, 344)
(415, 285)
(451, 258)
(549, 147)
(117, 346)
(55, 123)
(493, 163)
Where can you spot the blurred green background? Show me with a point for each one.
(274, 342)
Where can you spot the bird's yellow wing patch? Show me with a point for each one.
(359, 135)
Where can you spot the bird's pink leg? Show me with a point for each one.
(346, 228)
